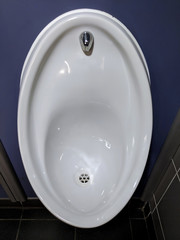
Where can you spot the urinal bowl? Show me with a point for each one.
(84, 120)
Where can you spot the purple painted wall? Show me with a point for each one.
(156, 26)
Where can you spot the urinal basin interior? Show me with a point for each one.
(83, 148)
(84, 122)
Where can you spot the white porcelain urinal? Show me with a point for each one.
(85, 117)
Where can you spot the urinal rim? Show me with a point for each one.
(84, 10)
(41, 35)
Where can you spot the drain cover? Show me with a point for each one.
(84, 178)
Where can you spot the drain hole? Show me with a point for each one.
(84, 178)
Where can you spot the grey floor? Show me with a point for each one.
(31, 223)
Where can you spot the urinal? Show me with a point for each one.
(85, 116)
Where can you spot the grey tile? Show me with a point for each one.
(45, 230)
(10, 213)
(178, 174)
(124, 213)
(146, 210)
(5, 202)
(37, 213)
(8, 229)
(139, 229)
(150, 228)
(157, 226)
(152, 204)
(176, 158)
(169, 211)
(136, 207)
(167, 178)
(32, 202)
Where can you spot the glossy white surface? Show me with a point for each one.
(81, 114)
